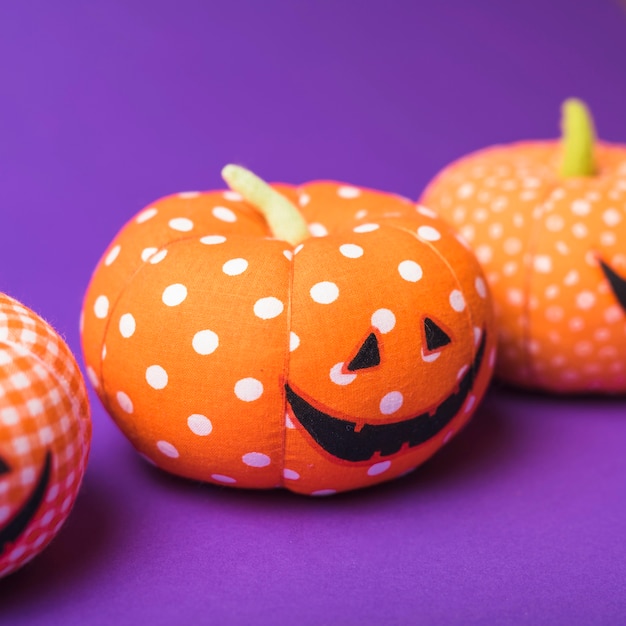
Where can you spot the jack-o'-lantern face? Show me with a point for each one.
(386, 377)
(45, 433)
(552, 247)
(230, 356)
(14, 527)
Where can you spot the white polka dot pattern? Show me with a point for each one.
(175, 294)
(199, 425)
(324, 292)
(197, 380)
(541, 240)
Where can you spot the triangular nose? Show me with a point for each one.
(435, 337)
(367, 356)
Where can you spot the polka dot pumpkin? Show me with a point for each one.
(334, 358)
(547, 221)
(45, 433)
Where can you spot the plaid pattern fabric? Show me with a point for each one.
(44, 418)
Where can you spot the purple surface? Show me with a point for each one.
(107, 106)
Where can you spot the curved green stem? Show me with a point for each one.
(283, 218)
(578, 140)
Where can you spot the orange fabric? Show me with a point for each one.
(45, 433)
(541, 239)
(198, 324)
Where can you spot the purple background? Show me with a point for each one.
(106, 106)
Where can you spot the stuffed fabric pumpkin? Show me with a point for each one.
(547, 220)
(45, 432)
(318, 338)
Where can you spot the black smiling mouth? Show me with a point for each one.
(10, 533)
(340, 438)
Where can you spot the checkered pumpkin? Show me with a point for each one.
(45, 433)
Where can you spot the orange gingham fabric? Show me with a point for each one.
(43, 408)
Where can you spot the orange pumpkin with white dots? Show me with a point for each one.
(45, 432)
(547, 220)
(233, 347)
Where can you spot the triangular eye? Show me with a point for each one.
(435, 337)
(4, 468)
(367, 356)
(618, 284)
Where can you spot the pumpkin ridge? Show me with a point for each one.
(445, 261)
(285, 376)
(532, 245)
(115, 301)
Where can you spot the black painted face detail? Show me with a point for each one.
(340, 438)
(618, 284)
(10, 533)
(367, 356)
(435, 336)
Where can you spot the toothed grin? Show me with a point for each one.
(341, 439)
